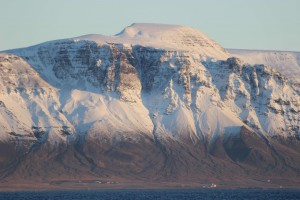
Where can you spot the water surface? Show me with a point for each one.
(155, 194)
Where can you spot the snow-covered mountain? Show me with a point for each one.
(152, 101)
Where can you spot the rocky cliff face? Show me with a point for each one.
(110, 108)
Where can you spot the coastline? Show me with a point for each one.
(99, 184)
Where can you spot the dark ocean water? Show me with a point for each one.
(155, 195)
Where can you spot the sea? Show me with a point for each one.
(155, 195)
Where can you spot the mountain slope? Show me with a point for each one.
(159, 102)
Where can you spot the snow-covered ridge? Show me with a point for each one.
(286, 62)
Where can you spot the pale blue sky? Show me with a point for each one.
(244, 24)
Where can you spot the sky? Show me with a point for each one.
(240, 24)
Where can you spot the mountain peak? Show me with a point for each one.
(160, 32)
(137, 29)
(164, 36)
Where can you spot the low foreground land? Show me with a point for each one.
(100, 184)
